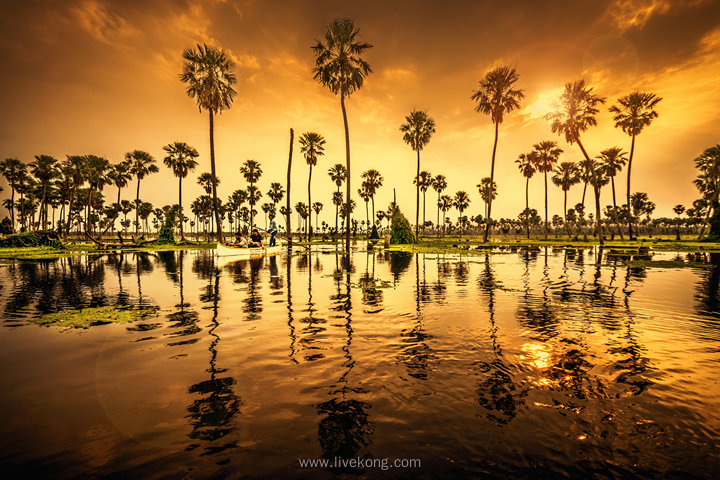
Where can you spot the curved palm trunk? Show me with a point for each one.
(287, 200)
(492, 178)
(617, 222)
(632, 152)
(546, 210)
(218, 234)
(182, 235)
(527, 206)
(598, 218)
(583, 195)
(347, 166)
(137, 207)
(309, 223)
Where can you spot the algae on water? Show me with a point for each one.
(87, 317)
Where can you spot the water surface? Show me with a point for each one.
(516, 363)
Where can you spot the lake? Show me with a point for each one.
(519, 362)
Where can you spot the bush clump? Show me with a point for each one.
(400, 229)
(166, 235)
(32, 239)
(374, 233)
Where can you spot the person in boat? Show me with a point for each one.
(256, 239)
(272, 229)
(240, 241)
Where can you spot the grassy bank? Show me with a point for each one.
(49, 253)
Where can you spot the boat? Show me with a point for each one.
(238, 253)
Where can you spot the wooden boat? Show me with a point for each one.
(239, 253)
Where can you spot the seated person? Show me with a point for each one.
(240, 241)
(256, 239)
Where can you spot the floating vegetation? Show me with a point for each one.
(667, 264)
(88, 317)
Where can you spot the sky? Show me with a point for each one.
(102, 77)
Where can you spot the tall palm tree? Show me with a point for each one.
(708, 183)
(142, 164)
(614, 160)
(73, 169)
(417, 131)
(209, 77)
(445, 203)
(95, 170)
(119, 175)
(566, 175)
(374, 181)
(497, 97)
(526, 164)
(546, 156)
(251, 171)
(13, 170)
(317, 208)
(364, 194)
(585, 175)
(439, 184)
(337, 200)
(487, 193)
(180, 159)
(312, 145)
(338, 174)
(461, 202)
(276, 193)
(45, 169)
(633, 113)
(424, 181)
(578, 107)
(339, 66)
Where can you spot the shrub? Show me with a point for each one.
(166, 235)
(6, 226)
(400, 229)
(31, 239)
(374, 233)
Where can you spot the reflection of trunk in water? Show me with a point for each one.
(497, 391)
(212, 415)
(313, 327)
(293, 339)
(345, 426)
(417, 356)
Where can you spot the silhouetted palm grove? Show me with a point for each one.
(69, 194)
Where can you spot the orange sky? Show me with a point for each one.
(101, 77)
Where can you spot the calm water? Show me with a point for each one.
(548, 363)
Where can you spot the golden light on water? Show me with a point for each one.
(537, 355)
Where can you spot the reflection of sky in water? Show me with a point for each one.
(488, 363)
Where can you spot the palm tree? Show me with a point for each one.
(439, 184)
(546, 156)
(585, 175)
(497, 97)
(339, 67)
(417, 130)
(373, 181)
(180, 159)
(566, 175)
(119, 175)
(209, 78)
(445, 203)
(276, 193)
(613, 160)
(337, 200)
(708, 183)
(13, 170)
(461, 202)
(317, 208)
(678, 209)
(95, 171)
(424, 181)
(526, 164)
(251, 171)
(73, 171)
(487, 194)
(633, 113)
(142, 164)
(44, 169)
(364, 194)
(578, 107)
(312, 145)
(338, 174)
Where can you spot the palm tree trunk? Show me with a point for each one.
(137, 207)
(583, 195)
(367, 218)
(218, 235)
(617, 222)
(492, 178)
(423, 224)
(182, 235)
(546, 210)
(567, 227)
(632, 152)
(12, 206)
(597, 197)
(417, 196)
(347, 179)
(372, 198)
(287, 217)
(309, 223)
(437, 226)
